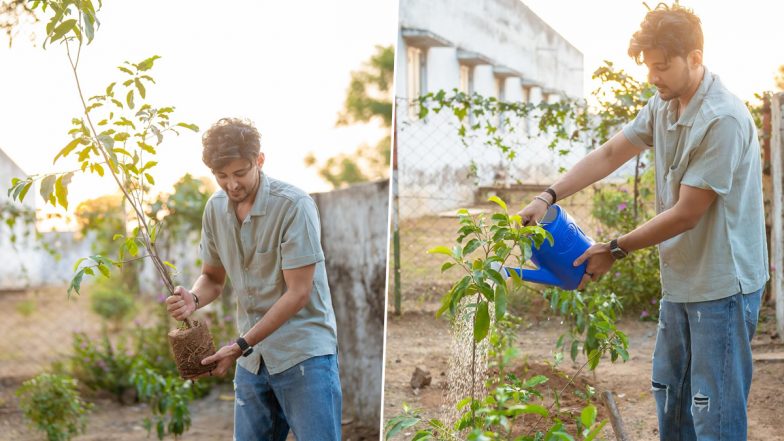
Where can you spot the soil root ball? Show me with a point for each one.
(190, 346)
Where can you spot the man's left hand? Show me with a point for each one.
(599, 263)
(226, 357)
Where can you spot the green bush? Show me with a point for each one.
(635, 279)
(100, 366)
(111, 301)
(52, 404)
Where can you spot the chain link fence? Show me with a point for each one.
(439, 172)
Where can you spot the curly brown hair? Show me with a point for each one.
(674, 30)
(230, 139)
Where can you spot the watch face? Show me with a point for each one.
(617, 253)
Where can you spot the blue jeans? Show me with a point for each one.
(702, 368)
(306, 397)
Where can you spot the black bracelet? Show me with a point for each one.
(551, 192)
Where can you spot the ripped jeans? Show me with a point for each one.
(305, 397)
(702, 368)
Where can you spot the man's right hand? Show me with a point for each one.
(533, 212)
(181, 304)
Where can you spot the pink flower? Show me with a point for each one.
(644, 314)
(622, 206)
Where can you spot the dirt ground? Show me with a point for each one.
(212, 419)
(30, 321)
(418, 339)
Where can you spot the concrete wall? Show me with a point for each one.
(21, 259)
(354, 235)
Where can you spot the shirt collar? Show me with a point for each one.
(690, 113)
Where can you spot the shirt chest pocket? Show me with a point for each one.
(672, 182)
(264, 269)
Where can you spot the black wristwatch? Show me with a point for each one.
(244, 346)
(616, 251)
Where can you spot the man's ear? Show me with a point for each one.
(695, 58)
(260, 160)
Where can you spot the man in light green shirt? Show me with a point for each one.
(709, 228)
(265, 235)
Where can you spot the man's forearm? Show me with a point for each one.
(281, 311)
(663, 226)
(206, 289)
(596, 165)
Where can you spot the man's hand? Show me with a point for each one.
(226, 357)
(181, 304)
(599, 263)
(533, 212)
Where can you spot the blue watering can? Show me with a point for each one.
(554, 262)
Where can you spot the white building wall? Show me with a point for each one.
(21, 261)
(512, 50)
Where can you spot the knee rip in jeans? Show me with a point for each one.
(700, 402)
(658, 387)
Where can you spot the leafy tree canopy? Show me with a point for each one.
(368, 99)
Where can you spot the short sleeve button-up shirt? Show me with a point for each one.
(712, 145)
(281, 232)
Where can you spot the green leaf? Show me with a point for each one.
(68, 148)
(147, 64)
(193, 127)
(471, 246)
(125, 69)
(61, 189)
(498, 201)
(536, 381)
(129, 99)
(574, 350)
(98, 169)
(140, 88)
(595, 431)
(78, 262)
(500, 301)
(446, 266)
(148, 166)
(170, 265)
(24, 191)
(481, 321)
(62, 29)
(47, 187)
(146, 147)
(149, 178)
(588, 415)
(104, 270)
(440, 250)
(529, 409)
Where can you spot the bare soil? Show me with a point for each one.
(418, 339)
(35, 330)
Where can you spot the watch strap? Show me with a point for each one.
(616, 251)
(244, 346)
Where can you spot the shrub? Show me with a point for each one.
(109, 300)
(100, 366)
(52, 404)
(635, 279)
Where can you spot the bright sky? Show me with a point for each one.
(743, 40)
(284, 65)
